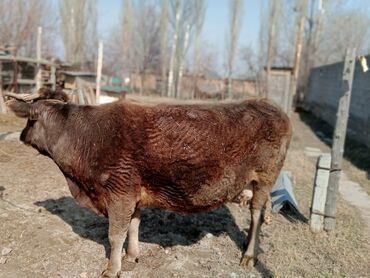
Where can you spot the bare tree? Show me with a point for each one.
(177, 10)
(235, 17)
(183, 22)
(78, 19)
(271, 40)
(113, 62)
(333, 26)
(348, 28)
(127, 22)
(163, 34)
(181, 59)
(199, 12)
(146, 40)
(92, 37)
(208, 57)
(19, 20)
(283, 21)
(138, 47)
(250, 61)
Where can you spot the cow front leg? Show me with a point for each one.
(130, 259)
(119, 220)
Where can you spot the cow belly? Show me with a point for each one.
(218, 192)
(184, 199)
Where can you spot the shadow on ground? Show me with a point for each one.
(357, 153)
(157, 226)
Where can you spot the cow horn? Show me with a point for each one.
(23, 97)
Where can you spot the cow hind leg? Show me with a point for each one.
(260, 197)
(119, 220)
(130, 259)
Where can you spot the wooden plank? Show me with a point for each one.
(98, 71)
(319, 192)
(25, 82)
(92, 94)
(87, 96)
(81, 98)
(339, 139)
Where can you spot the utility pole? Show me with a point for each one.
(38, 57)
(98, 71)
(339, 140)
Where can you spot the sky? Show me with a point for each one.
(216, 22)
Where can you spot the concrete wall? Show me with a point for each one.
(325, 89)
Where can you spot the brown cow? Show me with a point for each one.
(120, 157)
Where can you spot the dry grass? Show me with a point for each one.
(297, 251)
(10, 123)
(356, 161)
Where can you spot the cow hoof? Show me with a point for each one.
(247, 262)
(110, 274)
(128, 265)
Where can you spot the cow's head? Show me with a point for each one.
(45, 111)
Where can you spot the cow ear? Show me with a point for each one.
(20, 108)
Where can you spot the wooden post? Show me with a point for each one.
(2, 104)
(53, 77)
(339, 139)
(319, 193)
(98, 71)
(38, 57)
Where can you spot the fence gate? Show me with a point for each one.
(279, 88)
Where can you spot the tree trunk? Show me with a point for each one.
(181, 63)
(170, 86)
(163, 30)
(229, 86)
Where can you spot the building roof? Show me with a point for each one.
(11, 58)
(115, 89)
(79, 73)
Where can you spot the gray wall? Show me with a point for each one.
(325, 88)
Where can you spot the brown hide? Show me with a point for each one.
(187, 158)
(195, 158)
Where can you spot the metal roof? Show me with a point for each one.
(79, 73)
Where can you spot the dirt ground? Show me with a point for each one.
(50, 236)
